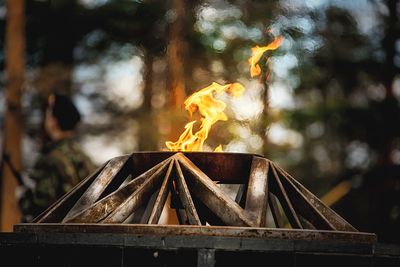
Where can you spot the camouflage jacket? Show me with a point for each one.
(60, 167)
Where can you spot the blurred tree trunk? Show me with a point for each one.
(175, 85)
(15, 61)
(390, 71)
(176, 54)
(148, 81)
(148, 130)
(176, 76)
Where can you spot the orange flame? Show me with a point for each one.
(211, 111)
(257, 52)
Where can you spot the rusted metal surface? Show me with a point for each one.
(276, 213)
(137, 198)
(185, 197)
(194, 230)
(308, 214)
(331, 216)
(213, 197)
(105, 206)
(57, 211)
(161, 197)
(225, 167)
(99, 185)
(257, 191)
(280, 192)
(194, 181)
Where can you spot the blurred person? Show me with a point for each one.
(62, 163)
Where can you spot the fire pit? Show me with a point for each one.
(114, 217)
(133, 189)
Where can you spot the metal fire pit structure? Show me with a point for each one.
(112, 218)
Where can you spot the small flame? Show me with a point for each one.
(257, 52)
(218, 149)
(211, 111)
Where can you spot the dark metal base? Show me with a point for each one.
(194, 230)
(170, 245)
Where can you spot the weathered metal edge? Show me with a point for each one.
(194, 230)
(124, 240)
(195, 152)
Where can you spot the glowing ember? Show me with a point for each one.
(257, 52)
(211, 111)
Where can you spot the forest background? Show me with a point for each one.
(328, 112)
